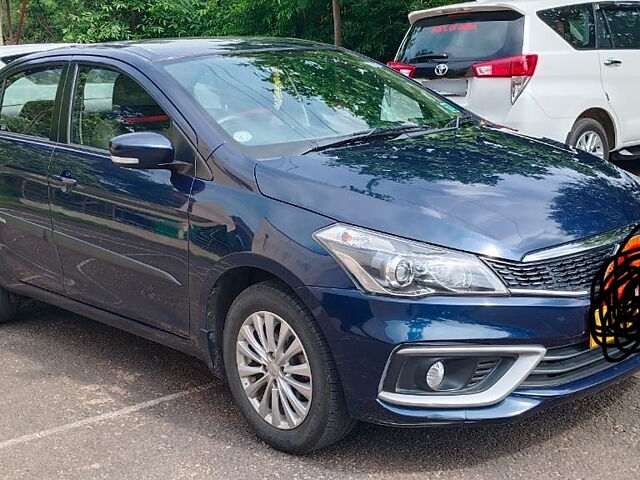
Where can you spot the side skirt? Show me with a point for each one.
(176, 342)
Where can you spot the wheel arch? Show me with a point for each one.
(241, 272)
(604, 118)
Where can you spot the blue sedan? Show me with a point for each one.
(336, 241)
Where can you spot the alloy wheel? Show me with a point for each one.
(274, 370)
(591, 142)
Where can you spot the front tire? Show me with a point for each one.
(590, 136)
(280, 371)
(8, 307)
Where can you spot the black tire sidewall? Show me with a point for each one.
(589, 125)
(306, 436)
(8, 308)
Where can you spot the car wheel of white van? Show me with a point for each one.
(280, 371)
(8, 307)
(588, 135)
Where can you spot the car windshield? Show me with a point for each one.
(284, 97)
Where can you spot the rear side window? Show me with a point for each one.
(464, 37)
(575, 24)
(28, 100)
(109, 103)
(621, 26)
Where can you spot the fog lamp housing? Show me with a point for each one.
(455, 376)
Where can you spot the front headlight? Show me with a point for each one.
(387, 265)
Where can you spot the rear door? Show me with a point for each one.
(27, 118)
(121, 233)
(619, 37)
(444, 48)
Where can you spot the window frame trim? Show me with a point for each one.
(39, 64)
(178, 121)
(70, 97)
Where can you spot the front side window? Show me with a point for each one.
(281, 97)
(108, 103)
(622, 26)
(575, 24)
(28, 100)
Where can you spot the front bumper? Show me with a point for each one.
(363, 331)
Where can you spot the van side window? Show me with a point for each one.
(575, 24)
(108, 103)
(623, 23)
(28, 100)
(604, 34)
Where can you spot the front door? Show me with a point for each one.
(27, 253)
(619, 36)
(121, 232)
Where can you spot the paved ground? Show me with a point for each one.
(81, 400)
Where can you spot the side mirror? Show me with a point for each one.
(142, 150)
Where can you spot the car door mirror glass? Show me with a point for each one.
(142, 150)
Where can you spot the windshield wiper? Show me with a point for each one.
(461, 120)
(429, 56)
(394, 131)
(366, 135)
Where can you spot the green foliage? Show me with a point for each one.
(372, 27)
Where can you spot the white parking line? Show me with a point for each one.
(101, 418)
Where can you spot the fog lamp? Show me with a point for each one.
(435, 375)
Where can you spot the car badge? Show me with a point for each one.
(441, 69)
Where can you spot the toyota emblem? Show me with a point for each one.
(441, 69)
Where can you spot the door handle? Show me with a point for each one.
(611, 62)
(65, 180)
(68, 181)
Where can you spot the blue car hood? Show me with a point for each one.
(475, 189)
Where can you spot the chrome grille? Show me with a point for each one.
(566, 364)
(570, 273)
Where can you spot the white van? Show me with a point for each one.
(561, 69)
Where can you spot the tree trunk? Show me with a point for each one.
(9, 22)
(337, 23)
(7, 5)
(1, 21)
(23, 12)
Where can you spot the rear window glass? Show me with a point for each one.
(469, 36)
(575, 24)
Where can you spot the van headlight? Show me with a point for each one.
(387, 265)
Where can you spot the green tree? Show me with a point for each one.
(372, 27)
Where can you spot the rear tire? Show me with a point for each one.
(8, 308)
(320, 418)
(590, 136)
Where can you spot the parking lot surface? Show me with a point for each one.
(80, 400)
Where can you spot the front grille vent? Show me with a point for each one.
(571, 273)
(483, 370)
(567, 364)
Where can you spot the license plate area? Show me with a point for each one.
(448, 87)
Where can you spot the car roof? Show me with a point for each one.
(173, 48)
(12, 52)
(24, 49)
(523, 6)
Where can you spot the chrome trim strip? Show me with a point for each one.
(548, 293)
(528, 357)
(610, 237)
(124, 160)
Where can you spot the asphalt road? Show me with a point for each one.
(80, 400)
